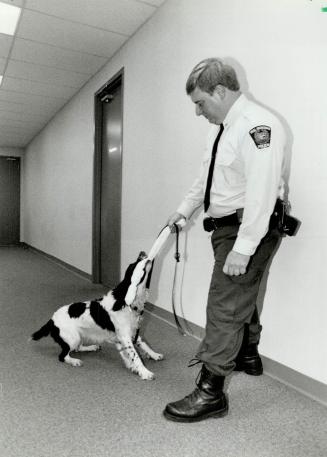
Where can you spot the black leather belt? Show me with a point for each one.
(213, 223)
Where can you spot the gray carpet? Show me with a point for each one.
(51, 409)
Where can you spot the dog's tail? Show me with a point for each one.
(44, 331)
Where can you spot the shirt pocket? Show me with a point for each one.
(230, 169)
(225, 160)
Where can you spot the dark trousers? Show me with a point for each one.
(232, 302)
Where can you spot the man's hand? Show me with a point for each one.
(175, 219)
(236, 264)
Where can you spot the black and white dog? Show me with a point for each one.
(114, 318)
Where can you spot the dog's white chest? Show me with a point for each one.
(126, 321)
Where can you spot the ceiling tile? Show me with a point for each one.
(2, 65)
(26, 127)
(123, 16)
(15, 141)
(12, 122)
(5, 43)
(30, 100)
(34, 110)
(14, 129)
(152, 2)
(26, 116)
(68, 35)
(44, 74)
(37, 88)
(9, 106)
(14, 2)
(18, 129)
(43, 54)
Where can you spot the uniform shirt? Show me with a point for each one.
(248, 172)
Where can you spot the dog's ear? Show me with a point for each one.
(120, 291)
(125, 292)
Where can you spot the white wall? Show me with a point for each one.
(281, 47)
(58, 186)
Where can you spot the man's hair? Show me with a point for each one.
(210, 73)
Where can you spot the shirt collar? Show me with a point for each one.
(235, 110)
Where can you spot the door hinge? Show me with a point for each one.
(106, 98)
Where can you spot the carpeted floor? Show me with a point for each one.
(49, 409)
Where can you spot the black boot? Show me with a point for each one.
(207, 400)
(249, 360)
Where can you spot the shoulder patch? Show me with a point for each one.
(261, 136)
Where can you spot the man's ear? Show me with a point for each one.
(221, 91)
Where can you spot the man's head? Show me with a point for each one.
(213, 87)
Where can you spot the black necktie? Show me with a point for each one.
(211, 168)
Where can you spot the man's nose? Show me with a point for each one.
(198, 110)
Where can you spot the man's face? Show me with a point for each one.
(209, 106)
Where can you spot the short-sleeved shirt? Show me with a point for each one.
(248, 171)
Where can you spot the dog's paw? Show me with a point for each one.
(147, 375)
(75, 362)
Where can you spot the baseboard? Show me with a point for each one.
(54, 259)
(310, 387)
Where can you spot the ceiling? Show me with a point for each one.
(58, 46)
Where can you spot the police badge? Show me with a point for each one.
(261, 136)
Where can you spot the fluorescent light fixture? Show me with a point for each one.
(1, 79)
(9, 15)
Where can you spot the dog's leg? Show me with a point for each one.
(147, 351)
(91, 348)
(132, 359)
(65, 357)
(68, 341)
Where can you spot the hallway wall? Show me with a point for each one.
(281, 66)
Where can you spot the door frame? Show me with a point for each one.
(117, 79)
(17, 159)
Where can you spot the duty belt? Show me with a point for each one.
(214, 223)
